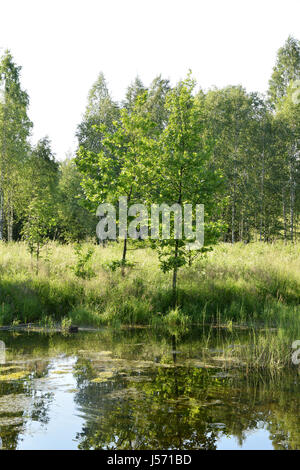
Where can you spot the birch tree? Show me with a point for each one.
(14, 131)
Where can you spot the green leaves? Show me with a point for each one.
(14, 131)
(286, 70)
(181, 170)
(82, 268)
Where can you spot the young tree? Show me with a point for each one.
(40, 197)
(183, 173)
(122, 168)
(40, 219)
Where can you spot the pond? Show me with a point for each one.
(141, 389)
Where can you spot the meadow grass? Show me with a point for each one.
(256, 284)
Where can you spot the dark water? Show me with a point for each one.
(137, 389)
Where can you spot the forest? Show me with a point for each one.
(116, 342)
(236, 152)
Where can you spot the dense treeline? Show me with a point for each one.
(234, 151)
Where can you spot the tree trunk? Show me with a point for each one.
(242, 227)
(174, 283)
(234, 190)
(233, 218)
(125, 240)
(124, 256)
(10, 221)
(262, 201)
(292, 199)
(1, 213)
(37, 258)
(284, 216)
(3, 152)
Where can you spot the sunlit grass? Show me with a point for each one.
(254, 284)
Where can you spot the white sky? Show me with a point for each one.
(62, 45)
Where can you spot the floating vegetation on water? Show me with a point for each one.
(6, 368)
(127, 393)
(103, 377)
(61, 372)
(200, 364)
(97, 355)
(13, 376)
(138, 378)
(146, 388)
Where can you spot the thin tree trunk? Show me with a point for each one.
(3, 151)
(292, 218)
(292, 199)
(175, 270)
(284, 216)
(174, 282)
(262, 234)
(10, 221)
(1, 211)
(233, 218)
(37, 258)
(234, 189)
(125, 241)
(124, 256)
(242, 227)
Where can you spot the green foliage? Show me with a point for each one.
(124, 162)
(134, 149)
(116, 264)
(182, 170)
(65, 324)
(82, 268)
(15, 128)
(36, 228)
(39, 210)
(74, 221)
(233, 151)
(286, 70)
(244, 284)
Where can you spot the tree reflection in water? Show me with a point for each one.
(139, 389)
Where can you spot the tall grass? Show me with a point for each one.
(254, 284)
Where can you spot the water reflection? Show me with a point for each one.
(137, 389)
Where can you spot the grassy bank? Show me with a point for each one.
(256, 284)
